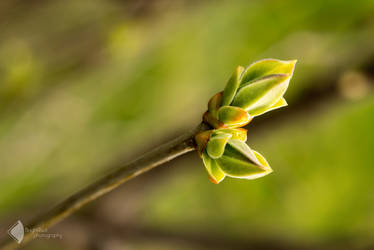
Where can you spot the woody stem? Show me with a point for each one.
(122, 174)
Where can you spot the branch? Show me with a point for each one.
(154, 158)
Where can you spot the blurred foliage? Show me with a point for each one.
(320, 188)
(82, 82)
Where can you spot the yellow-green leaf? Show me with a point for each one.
(216, 144)
(240, 149)
(240, 161)
(232, 86)
(279, 104)
(233, 116)
(214, 104)
(264, 163)
(216, 175)
(262, 93)
(267, 67)
(234, 167)
(237, 133)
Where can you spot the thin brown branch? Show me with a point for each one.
(146, 162)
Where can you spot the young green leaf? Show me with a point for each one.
(216, 144)
(267, 67)
(238, 168)
(233, 116)
(262, 93)
(237, 133)
(214, 104)
(264, 163)
(232, 86)
(241, 162)
(279, 104)
(216, 175)
(243, 149)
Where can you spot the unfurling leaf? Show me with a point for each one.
(216, 145)
(214, 104)
(216, 175)
(264, 163)
(279, 104)
(244, 150)
(232, 86)
(239, 168)
(262, 93)
(267, 67)
(237, 133)
(233, 116)
(236, 160)
(240, 161)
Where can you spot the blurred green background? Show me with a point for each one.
(86, 84)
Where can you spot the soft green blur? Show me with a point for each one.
(84, 83)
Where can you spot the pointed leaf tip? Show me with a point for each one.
(267, 67)
(244, 150)
(214, 104)
(265, 165)
(232, 86)
(239, 161)
(238, 168)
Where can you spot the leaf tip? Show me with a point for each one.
(214, 181)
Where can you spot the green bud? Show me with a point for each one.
(262, 86)
(249, 92)
(237, 160)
